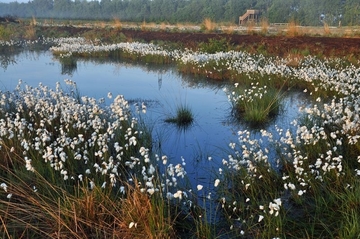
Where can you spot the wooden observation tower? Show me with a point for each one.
(251, 16)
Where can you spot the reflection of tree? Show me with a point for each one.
(160, 80)
(7, 56)
(194, 81)
(5, 61)
(68, 65)
(188, 80)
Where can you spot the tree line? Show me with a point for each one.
(304, 12)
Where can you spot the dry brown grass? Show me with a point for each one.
(230, 29)
(326, 29)
(250, 29)
(163, 26)
(209, 25)
(144, 26)
(264, 26)
(143, 217)
(351, 31)
(52, 212)
(117, 23)
(33, 21)
(30, 32)
(100, 24)
(293, 29)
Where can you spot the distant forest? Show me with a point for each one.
(304, 12)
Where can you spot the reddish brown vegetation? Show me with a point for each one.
(277, 45)
(274, 45)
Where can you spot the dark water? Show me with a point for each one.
(162, 89)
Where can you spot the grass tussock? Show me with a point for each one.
(264, 26)
(51, 212)
(231, 29)
(143, 26)
(163, 26)
(183, 117)
(117, 23)
(250, 28)
(327, 31)
(145, 217)
(293, 29)
(209, 25)
(30, 32)
(256, 105)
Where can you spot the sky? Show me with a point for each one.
(19, 1)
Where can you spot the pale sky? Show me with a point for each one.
(19, 1)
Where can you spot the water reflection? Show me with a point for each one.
(12, 54)
(162, 89)
(5, 61)
(8, 56)
(68, 65)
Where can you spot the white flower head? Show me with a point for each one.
(151, 191)
(133, 224)
(178, 194)
(217, 182)
(4, 186)
(164, 159)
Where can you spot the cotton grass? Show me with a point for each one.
(295, 182)
(59, 149)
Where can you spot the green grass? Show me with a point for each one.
(215, 45)
(183, 116)
(5, 33)
(257, 106)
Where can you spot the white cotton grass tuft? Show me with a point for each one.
(133, 224)
(217, 182)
